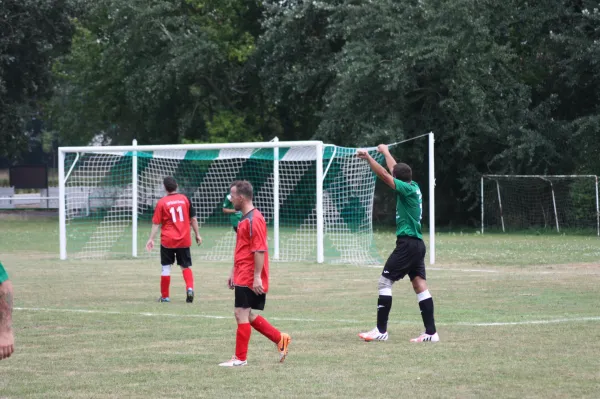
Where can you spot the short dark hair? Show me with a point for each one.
(170, 184)
(244, 188)
(403, 172)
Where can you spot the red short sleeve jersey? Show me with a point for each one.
(251, 238)
(173, 212)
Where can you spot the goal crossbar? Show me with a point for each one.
(179, 147)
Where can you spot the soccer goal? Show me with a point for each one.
(554, 202)
(317, 198)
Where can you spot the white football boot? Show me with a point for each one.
(374, 335)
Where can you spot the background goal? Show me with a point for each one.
(552, 202)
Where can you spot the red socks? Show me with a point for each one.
(265, 328)
(188, 276)
(165, 282)
(242, 338)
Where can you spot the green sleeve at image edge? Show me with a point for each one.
(3, 275)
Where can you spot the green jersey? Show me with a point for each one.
(409, 209)
(3, 274)
(234, 218)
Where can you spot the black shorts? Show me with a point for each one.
(246, 298)
(407, 258)
(168, 255)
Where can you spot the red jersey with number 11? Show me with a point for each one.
(173, 212)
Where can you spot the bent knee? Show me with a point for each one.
(419, 284)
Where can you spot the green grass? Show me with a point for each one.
(20, 230)
(517, 250)
(90, 329)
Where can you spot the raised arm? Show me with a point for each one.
(389, 159)
(376, 168)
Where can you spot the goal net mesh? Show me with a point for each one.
(99, 187)
(533, 202)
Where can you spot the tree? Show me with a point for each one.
(508, 87)
(159, 71)
(32, 33)
(380, 80)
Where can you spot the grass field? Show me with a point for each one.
(517, 316)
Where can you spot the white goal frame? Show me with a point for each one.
(275, 144)
(541, 177)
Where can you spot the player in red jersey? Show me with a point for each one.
(173, 214)
(249, 277)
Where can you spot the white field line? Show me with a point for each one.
(352, 321)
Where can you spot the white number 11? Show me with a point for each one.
(179, 211)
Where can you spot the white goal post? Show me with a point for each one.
(555, 202)
(317, 198)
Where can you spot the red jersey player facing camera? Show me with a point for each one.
(250, 277)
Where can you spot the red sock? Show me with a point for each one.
(242, 338)
(265, 328)
(188, 276)
(165, 282)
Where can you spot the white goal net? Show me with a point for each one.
(317, 199)
(537, 202)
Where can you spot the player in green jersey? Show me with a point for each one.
(228, 209)
(409, 255)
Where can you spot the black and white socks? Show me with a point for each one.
(426, 306)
